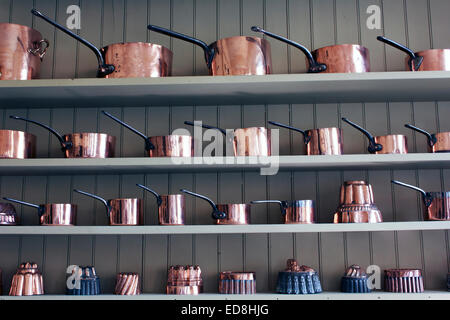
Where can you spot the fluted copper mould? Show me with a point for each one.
(403, 280)
(321, 141)
(393, 143)
(53, 214)
(437, 142)
(27, 281)
(171, 207)
(231, 213)
(355, 280)
(436, 205)
(297, 279)
(356, 204)
(240, 55)
(162, 146)
(252, 141)
(17, 144)
(125, 60)
(81, 145)
(232, 282)
(8, 216)
(21, 52)
(297, 211)
(426, 60)
(127, 284)
(120, 212)
(184, 280)
(340, 58)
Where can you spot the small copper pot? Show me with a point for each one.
(125, 60)
(162, 146)
(341, 58)
(323, 141)
(53, 214)
(121, 212)
(171, 207)
(127, 284)
(21, 52)
(239, 55)
(437, 142)
(184, 280)
(298, 211)
(27, 281)
(232, 282)
(436, 204)
(426, 60)
(81, 145)
(17, 144)
(234, 213)
(393, 143)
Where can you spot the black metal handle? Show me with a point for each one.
(41, 209)
(216, 213)
(306, 138)
(314, 66)
(65, 145)
(427, 198)
(105, 203)
(282, 204)
(413, 58)
(431, 137)
(209, 52)
(190, 123)
(157, 195)
(373, 146)
(103, 68)
(148, 145)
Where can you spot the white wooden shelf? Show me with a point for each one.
(226, 90)
(224, 229)
(57, 166)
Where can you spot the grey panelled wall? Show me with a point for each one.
(420, 23)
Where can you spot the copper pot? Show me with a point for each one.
(17, 144)
(184, 280)
(323, 141)
(356, 204)
(120, 212)
(8, 216)
(232, 282)
(436, 204)
(298, 211)
(253, 141)
(81, 145)
(403, 280)
(53, 214)
(426, 60)
(393, 143)
(27, 281)
(21, 52)
(162, 146)
(127, 284)
(240, 55)
(171, 207)
(437, 142)
(125, 60)
(234, 213)
(340, 58)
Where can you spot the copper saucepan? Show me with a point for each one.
(426, 60)
(162, 146)
(125, 60)
(436, 204)
(253, 141)
(319, 141)
(340, 58)
(17, 144)
(171, 207)
(240, 55)
(234, 213)
(81, 145)
(21, 52)
(120, 212)
(437, 142)
(393, 143)
(53, 214)
(298, 211)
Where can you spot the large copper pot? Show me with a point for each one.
(53, 214)
(297, 211)
(17, 144)
(120, 212)
(437, 142)
(392, 143)
(323, 141)
(125, 60)
(240, 55)
(426, 60)
(162, 146)
(436, 204)
(340, 58)
(83, 144)
(21, 52)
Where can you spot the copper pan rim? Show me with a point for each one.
(422, 52)
(147, 44)
(343, 45)
(19, 25)
(242, 37)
